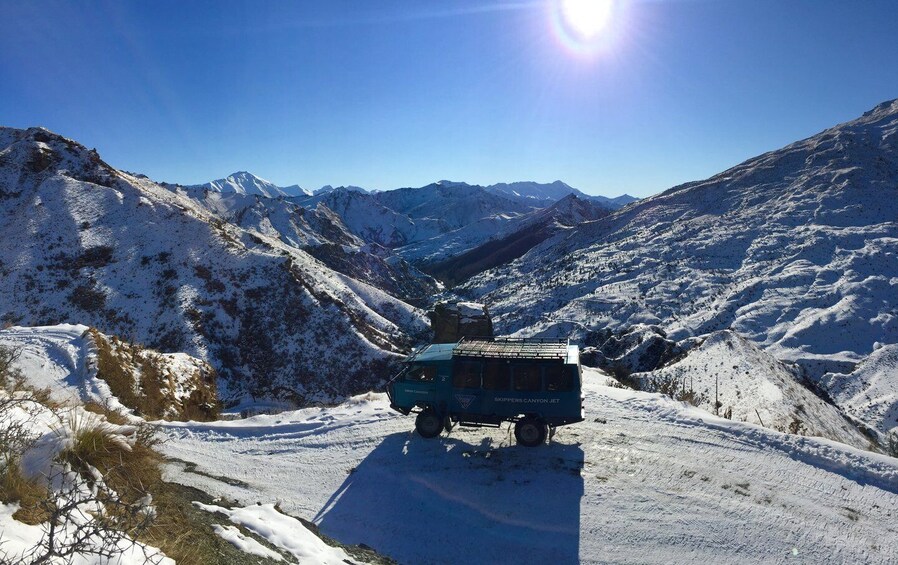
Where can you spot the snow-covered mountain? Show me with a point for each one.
(495, 241)
(322, 233)
(455, 204)
(869, 394)
(750, 385)
(243, 182)
(365, 216)
(554, 191)
(84, 243)
(795, 250)
(328, 188)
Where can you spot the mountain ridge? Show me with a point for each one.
(86, 243)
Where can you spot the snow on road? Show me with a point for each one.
(644, 479)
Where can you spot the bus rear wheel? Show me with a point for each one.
(530, 431)
(428, 424)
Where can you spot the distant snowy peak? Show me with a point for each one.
(243, 182)
(449, 183)
(327, 189)
(554, 191)
(534, 190)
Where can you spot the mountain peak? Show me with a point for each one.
(883, 109)
(450, 183)
(245, 182)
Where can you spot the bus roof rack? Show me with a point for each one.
(513, 348)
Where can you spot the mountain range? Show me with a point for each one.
(791, 252)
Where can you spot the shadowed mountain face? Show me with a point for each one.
(795, 249)
(83, 242)
(517, 238)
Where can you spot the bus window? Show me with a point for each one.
(496, 376)
(557, 378)
(421, 374)
(466, 374)
(526, 378)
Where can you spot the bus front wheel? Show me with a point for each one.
(428, 424)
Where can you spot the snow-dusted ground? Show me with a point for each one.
(62, 358)
(644, 479)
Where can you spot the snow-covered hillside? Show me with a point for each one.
(455, 204)
(243, 182)
(323, 234)
(462, 253)
(869, 394)
(751, 386)
(372, 221)
(72, 362)
(796, 249)
(85, 243)
(644, 479)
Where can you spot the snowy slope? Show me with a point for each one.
(243, 182)
(83, 242)
(754, 387)
(644, 480)
(796, 249)
(61, 358)
(537, 225)
(869, 394)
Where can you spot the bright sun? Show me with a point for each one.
(587, 18)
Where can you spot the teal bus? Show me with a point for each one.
(533, 382)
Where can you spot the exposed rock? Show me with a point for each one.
(451, 322)
(635, 349)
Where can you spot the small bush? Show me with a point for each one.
(111, 415)
(130, 469)
(28, 493)
(675, 387)
(112, 370)
(88, 298)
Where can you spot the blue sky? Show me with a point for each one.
(384, 93)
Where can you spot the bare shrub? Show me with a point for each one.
(675, 387)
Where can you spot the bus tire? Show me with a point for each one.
(530, 431)
(428, 424)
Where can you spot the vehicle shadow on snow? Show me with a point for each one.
(447, 500)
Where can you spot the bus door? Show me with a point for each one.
(467, 394)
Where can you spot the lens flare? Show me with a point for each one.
(585, 26)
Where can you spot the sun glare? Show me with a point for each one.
(587, 27)
(586, 18)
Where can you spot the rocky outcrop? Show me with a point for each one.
(451, 322)
(635, 349)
